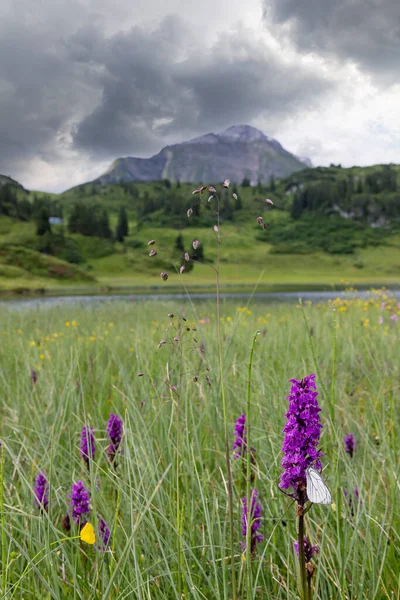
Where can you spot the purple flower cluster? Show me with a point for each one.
(80, 503)
(241, 440)
(105, 534)
(302, 433)
(41, 489)
(255, 521)
(114, 431)
(309, 550)
(87, 446)
(349, 444)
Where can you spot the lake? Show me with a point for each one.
(266, 297)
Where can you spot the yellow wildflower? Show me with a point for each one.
(87, 534)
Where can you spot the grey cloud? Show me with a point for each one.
(366, 32)
(79, 89)
(151, 94)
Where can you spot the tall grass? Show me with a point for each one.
(88, 360)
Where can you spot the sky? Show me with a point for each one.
(83, 82)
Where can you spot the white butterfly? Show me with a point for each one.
(317, 491)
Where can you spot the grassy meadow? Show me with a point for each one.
(166, 500)
(326, 226)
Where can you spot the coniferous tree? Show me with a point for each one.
(73, 225)
(122, 225)
(42, 221)
(272, 185)
(104, 229)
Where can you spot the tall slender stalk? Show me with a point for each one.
(302, 559)
(3, 526)
(223, 399)
(179, 515)
(333, 385)
(248, 471)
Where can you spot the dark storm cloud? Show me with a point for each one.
(41, 91)
(364, 31)
(151, 89)
(69, 87)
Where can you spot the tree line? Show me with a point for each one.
(376, 195)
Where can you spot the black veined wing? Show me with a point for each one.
(317, 490)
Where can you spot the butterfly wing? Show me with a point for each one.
(317, 491)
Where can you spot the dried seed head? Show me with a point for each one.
(195, 379)
(268, 201)
(194, 328)
(264, 225)
(181, 269)
(151, 242)
(164, 275)
(174, 388)
(234, 196)
(226, 183)
(171, 315)
(140, 374)
(216, 228)
(200, 189)
(187, 257)
(212, 189)
(208, 380)
(184, 319)
(176, 339)
(210, 198)
(196, 244)
(189, 212)
(152, 252)
(259, 220)
(162, 343)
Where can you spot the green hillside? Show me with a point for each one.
(326, 225)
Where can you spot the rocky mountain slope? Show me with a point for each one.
(238, 152)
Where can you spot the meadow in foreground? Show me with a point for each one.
(162, 494)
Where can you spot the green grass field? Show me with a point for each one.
(166, 501)
(317, 248)
(244, 261)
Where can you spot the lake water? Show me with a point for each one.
(267, 297)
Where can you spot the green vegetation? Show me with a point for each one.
(332, 223)
(166, 502)
(18, 260)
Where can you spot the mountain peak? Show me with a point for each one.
(243, 133)
(239, 152)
